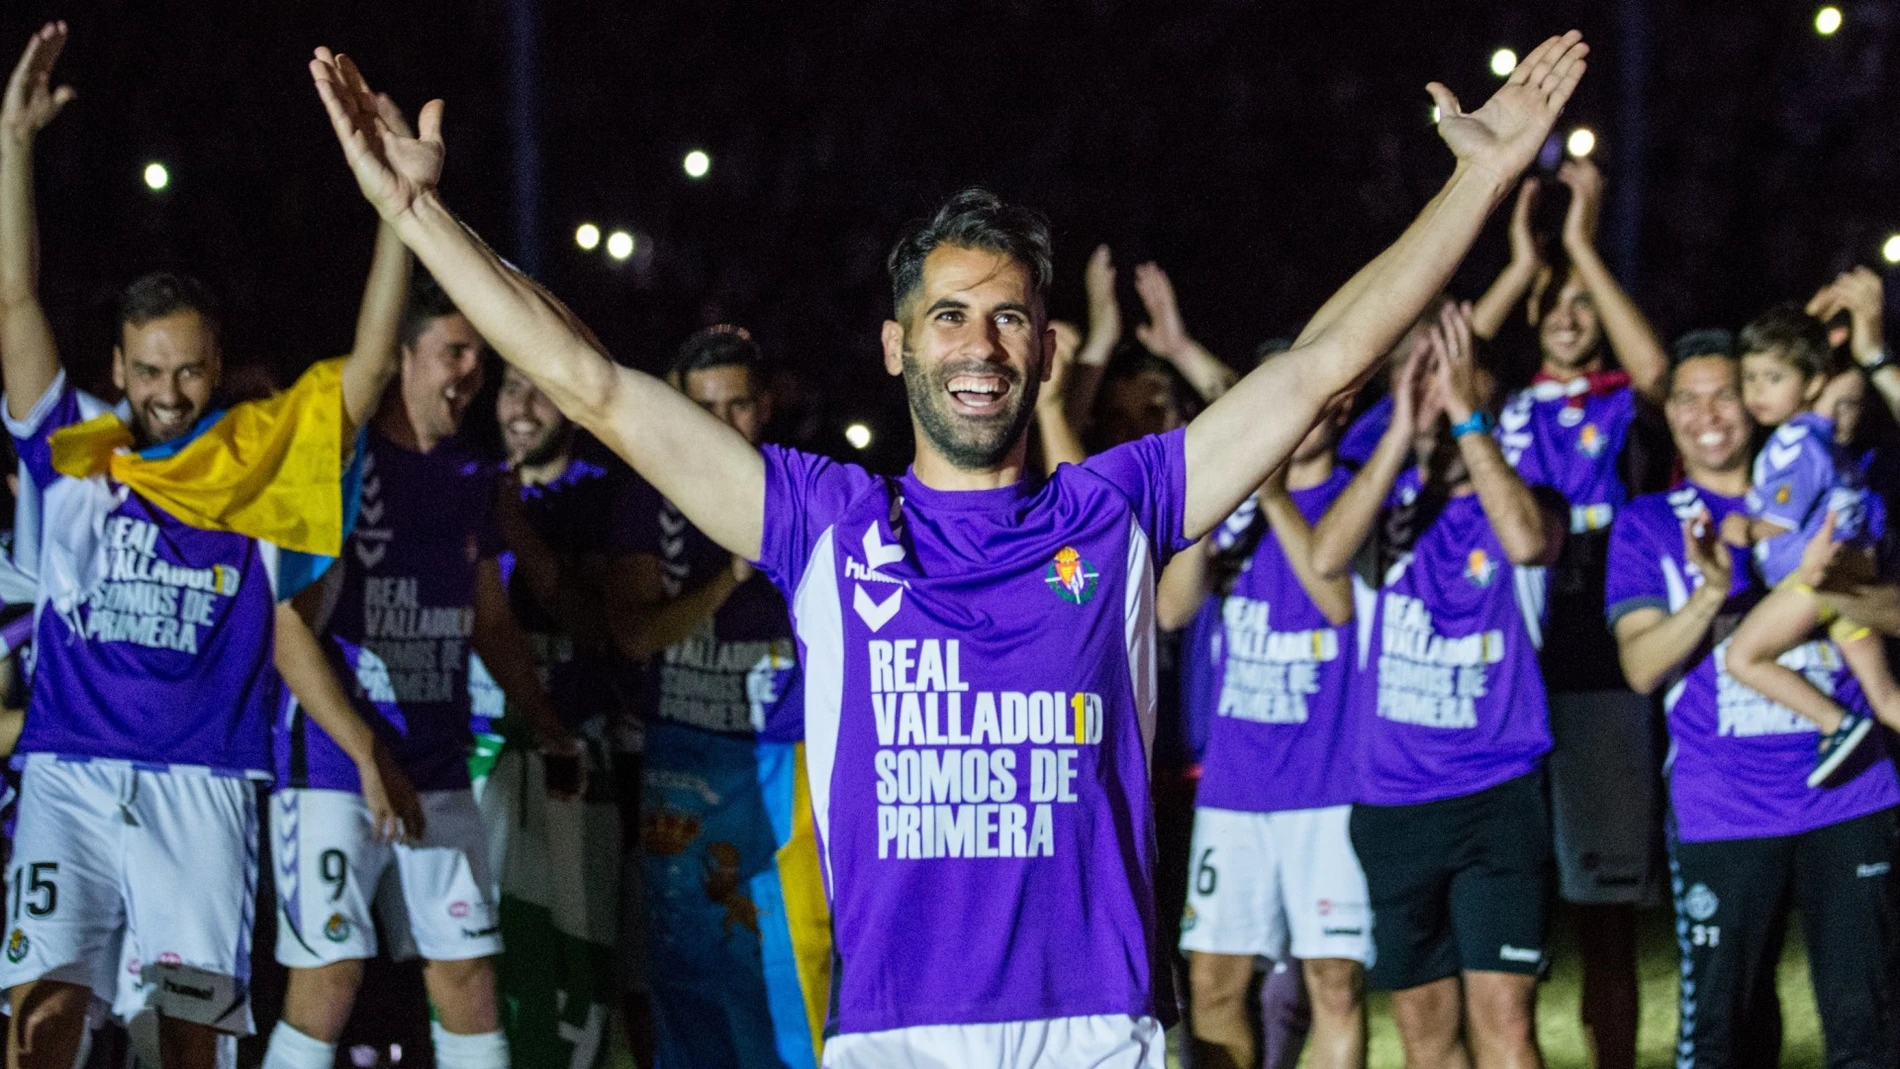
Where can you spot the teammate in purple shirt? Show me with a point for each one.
(977, 646)
(1588, 426)
(724, 704)
(1448, 707)
(1803, 482)
(1272, 869)
(134, 858)
(418, 586)
(1748, 839)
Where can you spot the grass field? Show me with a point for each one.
(1562, 1037)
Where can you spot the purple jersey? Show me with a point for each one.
(1280, 736)
(1361, 439)
(575, 516)
(1801, 476)
(1570, 436)
(1739, 762)
(738, 672)
(404, 613)
(154, 639)
(1451, 634)
(979, 702)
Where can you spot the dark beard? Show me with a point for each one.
(555, 444)
(969, 445)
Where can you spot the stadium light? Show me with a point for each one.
(620, 244)
(156, 176)
(858, 435)
(587, 236)
(1582, 142)
(1503, 62)
(696, 164)
(1891, 250)
(1827, 20)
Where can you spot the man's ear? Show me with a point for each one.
(1048, 352)
(118, 368)
(892, 337)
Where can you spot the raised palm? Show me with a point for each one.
(1505, 134)
(31, 101)
(392, 168)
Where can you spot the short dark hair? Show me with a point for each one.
(427, 301)
(1706, 341)
(720, 345)
(1790, 334)
(973, 219)
(163, 293)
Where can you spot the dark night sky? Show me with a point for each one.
(1259, 151)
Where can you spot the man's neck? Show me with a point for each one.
(1311, 472)
(934, 470)
(546, 471)
(393, 423)
(1565, 374)
(1729, 482)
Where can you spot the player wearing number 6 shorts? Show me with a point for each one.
(1272, 871)
(418, 584)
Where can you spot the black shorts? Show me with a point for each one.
(1733, 898)
(1458, 885)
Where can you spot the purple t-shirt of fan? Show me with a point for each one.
(979, 703)
(1457, 702)
(403, 618)
(166, 659)
(1361, 439)
(1739, 762)
(1280, 737)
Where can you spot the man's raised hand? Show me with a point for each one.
(391, 167)
(1504, 135)
(1165, 334)
(31, 101)
(1585, 180)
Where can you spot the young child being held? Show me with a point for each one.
(1790, 384)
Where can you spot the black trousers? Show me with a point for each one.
(1733, 899)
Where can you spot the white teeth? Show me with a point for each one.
(1709, 438)
(971, 384)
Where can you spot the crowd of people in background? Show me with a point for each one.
(1279, 685)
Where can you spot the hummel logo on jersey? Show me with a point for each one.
(873, 612)
(1781, 455)
(1878, 868)
(1526, 955)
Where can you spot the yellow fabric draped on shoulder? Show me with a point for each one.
(270, 469)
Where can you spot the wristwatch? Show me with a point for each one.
(1883, 357)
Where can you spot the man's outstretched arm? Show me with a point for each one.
(375, 353)
(706, 468)
(1230, 448)
(28, 356)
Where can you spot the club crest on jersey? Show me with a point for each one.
(1781, 494)
(1590, 440)
(1480, 569)
(337, 928)
(16, 946)
(1071, 577)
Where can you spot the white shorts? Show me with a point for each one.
(150, 874)
(1276, 884)
(1101, 1042)
(1606, 825)
(329, 867)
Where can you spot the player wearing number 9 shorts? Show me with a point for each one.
(417, 586)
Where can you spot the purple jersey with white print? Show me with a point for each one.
(154, 639)
(1280, 736)
(979, 702)
(1569, 436)
(1456, 703)
(737, 673)
(404, 613)
(1739, 762)
(1801, 476)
